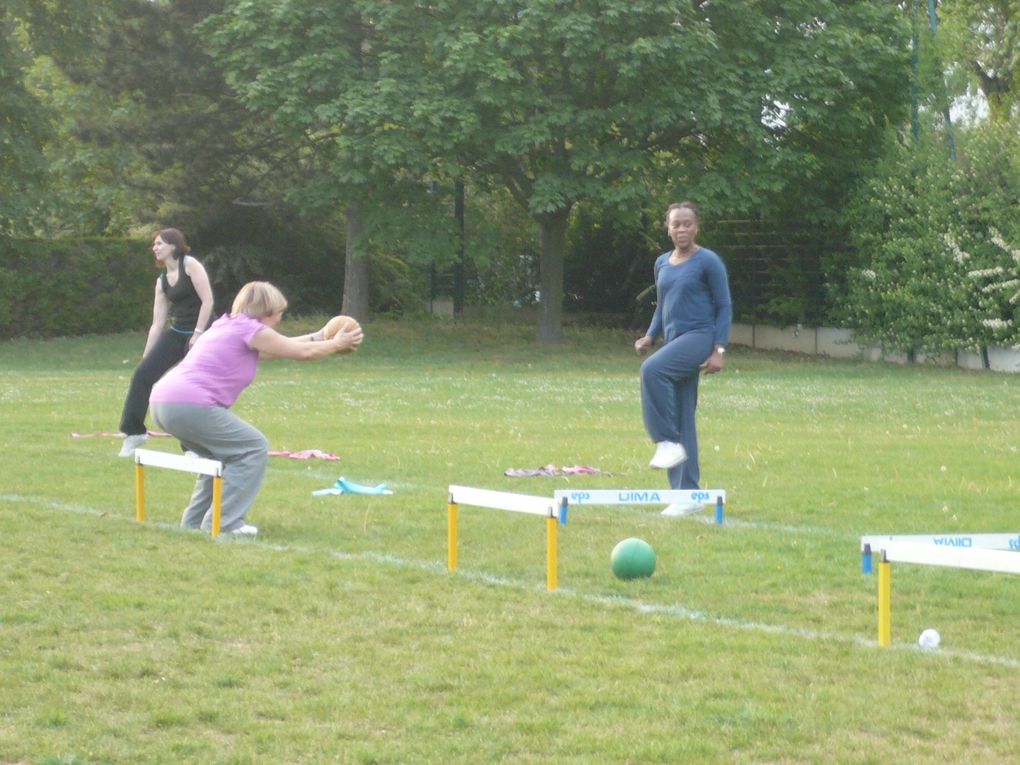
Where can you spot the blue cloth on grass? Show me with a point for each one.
(343, 486)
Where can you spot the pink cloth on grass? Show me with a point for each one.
(307, 454)
(551, 470)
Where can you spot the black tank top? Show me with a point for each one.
(184, 301)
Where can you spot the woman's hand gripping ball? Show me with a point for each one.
(344, 332)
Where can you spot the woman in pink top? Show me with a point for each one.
(192, 401)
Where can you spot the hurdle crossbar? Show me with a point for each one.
(995, 553)
(503, 500)
(1010, 541)
(638, 496)
(185, 464)
(553, 512)
(715, 497)
(1000, 561)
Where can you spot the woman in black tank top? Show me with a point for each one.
(181, 310)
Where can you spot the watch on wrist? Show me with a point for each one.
(720, 349)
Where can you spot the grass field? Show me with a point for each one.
(338, 636)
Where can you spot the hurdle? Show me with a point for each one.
(554, 512)
(978, 552)
(644, 497)
(185, 464)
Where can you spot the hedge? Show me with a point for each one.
(59, 288)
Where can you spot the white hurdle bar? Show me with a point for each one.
(644, 497)
(185, 464)
(996, 553)
(554, 512)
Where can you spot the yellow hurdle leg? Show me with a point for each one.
(139, 492)
(885, 603)
(217, 504)
(550, 552)
(451, 536)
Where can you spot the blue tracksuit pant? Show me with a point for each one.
(669, 398)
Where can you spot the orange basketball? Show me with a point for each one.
(338, 323)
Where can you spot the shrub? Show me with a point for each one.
(933, 247)
(74, 286)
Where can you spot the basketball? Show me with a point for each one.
(338, 323)
(633, 558)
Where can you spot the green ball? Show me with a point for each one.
(633, 558)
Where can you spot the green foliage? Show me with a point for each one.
(109, 288)
(150, 128)
(500, 249)
(774, 267)
(921, 227)
(94, 185)
(810, 86)
(909, 291)
(592, 102)
(302, 255)
(24, 129)
(980, 39)
(609, 262)
(74, 287)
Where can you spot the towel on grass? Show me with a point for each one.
(343, 486)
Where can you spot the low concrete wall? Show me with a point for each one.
(1004, 360)
(840, 344)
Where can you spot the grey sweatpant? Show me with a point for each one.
(217, 433)
(669, 399)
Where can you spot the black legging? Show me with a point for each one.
(169, 348)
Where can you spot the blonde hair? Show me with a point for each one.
(258, 300)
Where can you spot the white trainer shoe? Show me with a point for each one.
(678, 509)
(668, 455)
(131, 443)
(246, 530)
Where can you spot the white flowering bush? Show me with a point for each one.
(999, 285)
(932, 268)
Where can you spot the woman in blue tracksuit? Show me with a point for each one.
(694, 314)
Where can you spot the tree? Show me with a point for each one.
(936, 243)
(24, 129)
(600, 102)
(983, 40)
(331, 76)
(147, 111)
(559, 101)
(908, 290)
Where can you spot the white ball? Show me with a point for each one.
(929, 639)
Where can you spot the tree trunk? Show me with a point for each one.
(355, 297)
(552, 239)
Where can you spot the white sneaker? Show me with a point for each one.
(668, 455)
(687, 507)
(246, 530)
(131, 443)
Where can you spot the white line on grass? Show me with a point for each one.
(677, 611)
(738, 523)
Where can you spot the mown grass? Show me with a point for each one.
(339, 636)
